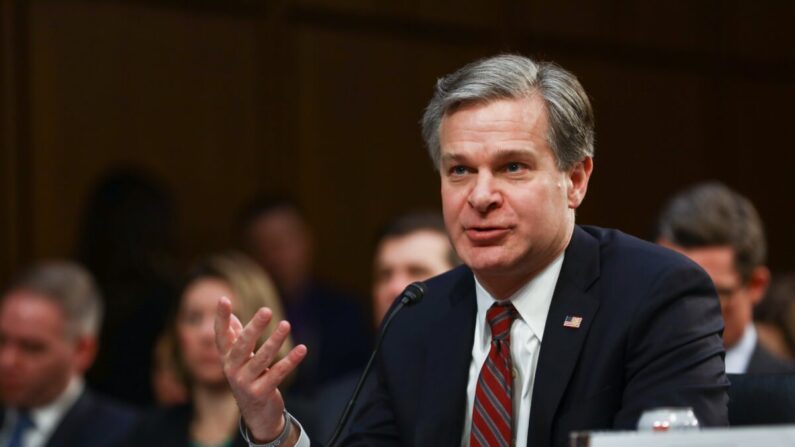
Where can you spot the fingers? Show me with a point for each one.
(223, 337)
(235, 326)
(268, 351)
(244, 345)
(283, 367)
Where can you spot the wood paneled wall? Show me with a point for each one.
(320, 99)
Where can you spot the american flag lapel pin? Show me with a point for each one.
(572, 321)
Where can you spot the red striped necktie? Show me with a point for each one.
(492, 419)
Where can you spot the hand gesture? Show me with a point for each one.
(253, 376)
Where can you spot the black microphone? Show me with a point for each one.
(411, 295)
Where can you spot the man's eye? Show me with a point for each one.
(33, 347)
(514, 167)
(458, 170)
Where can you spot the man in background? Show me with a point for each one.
(412, 247)
(277, 235)
(48, 338)
(721, 231)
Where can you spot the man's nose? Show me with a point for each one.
(484, 195)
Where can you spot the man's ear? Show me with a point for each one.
(578, 176)
(757, 284)
(86, 347)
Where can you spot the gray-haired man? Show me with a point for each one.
(722, 232)
(49, 320)
(549, 327)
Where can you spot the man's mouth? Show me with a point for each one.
(486, 234)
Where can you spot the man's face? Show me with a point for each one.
(509, 210)
(37, 358)
(736, 297)
(399, 261)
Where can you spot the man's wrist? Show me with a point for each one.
(281, 440)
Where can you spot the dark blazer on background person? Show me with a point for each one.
(764, 362)
(168, 427)
(92, 421)
(650, 337)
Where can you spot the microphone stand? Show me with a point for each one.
(411, 295)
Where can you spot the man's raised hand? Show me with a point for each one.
(253, 376)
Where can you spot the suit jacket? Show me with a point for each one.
(763, 362)
(650, 337)
(334, 325)
(168, 427)
(92, 421)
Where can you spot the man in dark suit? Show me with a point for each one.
(549, 327)
(721, 231)
(48, 324)
(411, 247)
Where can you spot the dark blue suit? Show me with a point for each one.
(650, 337)
(92, 421)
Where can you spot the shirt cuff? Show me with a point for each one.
(303, 439)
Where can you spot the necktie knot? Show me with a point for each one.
(500, 317)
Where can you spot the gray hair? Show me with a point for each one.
(571, 120)
(72, 288)
(711, 214)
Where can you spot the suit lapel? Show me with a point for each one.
(561, 345)
(440, 418)
(71, 421)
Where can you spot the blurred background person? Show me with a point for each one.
(168, 384)
(721, 231)
(276, 234)
(774, 317)
(49, 321)
(127, 241)
(209, 417)
(411, 247)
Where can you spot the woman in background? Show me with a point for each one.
(210, 416)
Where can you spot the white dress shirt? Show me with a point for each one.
(739, 356)
(45, 419)
(532, 303)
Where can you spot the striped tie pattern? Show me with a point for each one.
(492, 421)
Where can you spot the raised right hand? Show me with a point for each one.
(253, 376)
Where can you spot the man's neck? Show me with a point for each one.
(502, 284)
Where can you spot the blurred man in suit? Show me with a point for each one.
(721, 231)
(49, 320)
(549, 327)
(412, 247)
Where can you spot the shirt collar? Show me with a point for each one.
(47, 417)
(531, 301)
(739, 356)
